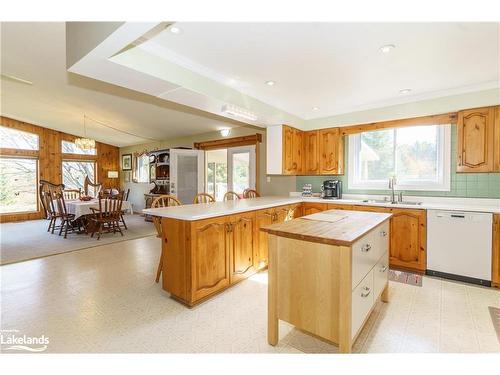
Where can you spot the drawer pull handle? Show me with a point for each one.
(383, 233)
(366, 292)
(366, 248)
(383, 269)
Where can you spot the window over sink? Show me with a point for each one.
(418, 157)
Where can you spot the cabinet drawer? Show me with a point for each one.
(362, 302)
(365, 254)
(380, 275)
(383, 237)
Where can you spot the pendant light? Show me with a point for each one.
(85, 143)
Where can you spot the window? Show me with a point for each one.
(74, 173)
(142, 168)
(18, 181)
(217, 173)
(68, 147)
(418, 156)
(12, 138)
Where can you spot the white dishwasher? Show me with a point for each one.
(459, 245)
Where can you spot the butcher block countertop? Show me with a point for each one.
(333, 227)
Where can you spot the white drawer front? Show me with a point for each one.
(380, 275)
(365, 254)
(362, 302)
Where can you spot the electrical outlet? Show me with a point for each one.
(268, 178)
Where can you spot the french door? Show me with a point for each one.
(241, 168)
(186, 174)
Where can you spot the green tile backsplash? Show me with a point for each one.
(465, 185)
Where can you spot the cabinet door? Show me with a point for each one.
(408, 239)
(312, 208)
(495, 272)
(289, 158)
(298, 146)
(331, 151)
(333, 206)
(475, 140)
(242, 229)
(210, 257)
(262, 218)
(311, 152)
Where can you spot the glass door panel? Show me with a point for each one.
(241, 168)
(216, 173)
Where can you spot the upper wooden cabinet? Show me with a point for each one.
(476, 141)
(331, 151)
(284, 147)
(311, 152)
(293, 152)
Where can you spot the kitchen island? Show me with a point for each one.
(326, 273)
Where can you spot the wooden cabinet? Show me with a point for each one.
(333, 206)
(267, 217)
(242, 245)
(475, 140)
(309, 208)
(495, 270)
(292, 151)
(311, 152)
(408, 240)
(331, 151)
(210, 257)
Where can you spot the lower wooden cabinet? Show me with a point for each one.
(209, 257)
(242, 245)
(267, 217)
(495, 271)
(310, 208)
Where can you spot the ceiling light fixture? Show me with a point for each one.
(238, 112)
(387, 48)
(83, 142)
(175, 30)
(270, 83)
(404, 91)
(225, 132)
(315, 108)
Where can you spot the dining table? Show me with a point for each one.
(82, 208)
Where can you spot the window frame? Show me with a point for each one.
(71, 160)
(37, 182)
(444, 166)
(81, 155)
(136, 169)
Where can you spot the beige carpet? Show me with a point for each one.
(26, 240)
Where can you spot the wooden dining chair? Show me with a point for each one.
(162, 201)
(46, 192)
(88, 183)
(67, 219)
(203, 198)
(72, 194)
(125, 198)
(230, 196)
(250, 193)
(107, 216)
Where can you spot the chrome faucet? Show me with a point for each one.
(392, 182)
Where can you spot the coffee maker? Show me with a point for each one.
(331, 189)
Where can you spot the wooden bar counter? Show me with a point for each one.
(326, 273)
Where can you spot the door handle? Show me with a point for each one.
(383, 233)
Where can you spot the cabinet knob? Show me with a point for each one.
(383, 233)
(366, 248)
(366, 292)
(383, 269)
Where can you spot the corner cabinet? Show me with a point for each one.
(476, 140)
(294, 152)
(284, 146)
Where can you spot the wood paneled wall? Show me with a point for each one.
(50, 159)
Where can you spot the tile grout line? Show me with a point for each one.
(403, 339)
(472, 318)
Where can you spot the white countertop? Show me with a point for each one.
(191, 212)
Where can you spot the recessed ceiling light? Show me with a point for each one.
(175, 30)
(387, 48)
(404, 91)
(315, 108)
(225, 132)
(270, 83)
